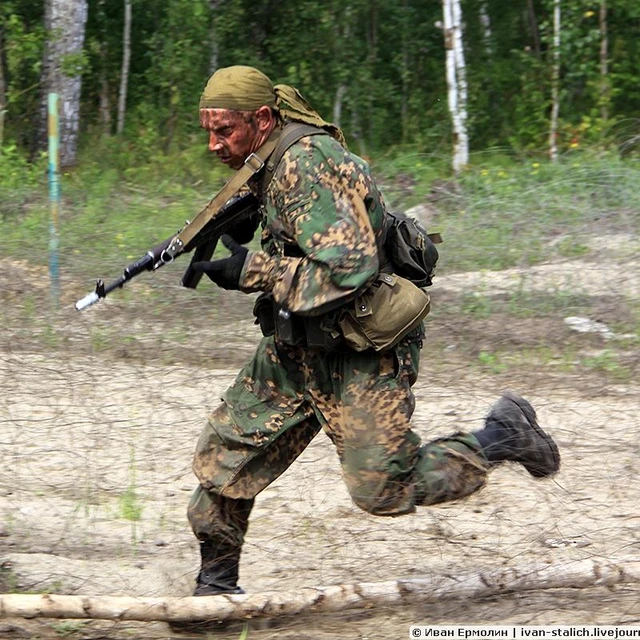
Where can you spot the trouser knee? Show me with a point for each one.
(387, 497)
(380, 482)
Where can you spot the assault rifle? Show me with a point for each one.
(236, 210)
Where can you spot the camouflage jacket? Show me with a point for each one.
(323, 214)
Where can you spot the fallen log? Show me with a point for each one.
(574, 575)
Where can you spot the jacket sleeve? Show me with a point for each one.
(317, 202)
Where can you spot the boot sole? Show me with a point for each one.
(539, 468)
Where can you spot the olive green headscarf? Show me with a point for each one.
(241, 88)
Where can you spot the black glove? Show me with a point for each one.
(225, 272)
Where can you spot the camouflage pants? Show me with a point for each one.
(363, 402)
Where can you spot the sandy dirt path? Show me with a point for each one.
(95, 477)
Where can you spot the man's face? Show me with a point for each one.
(233, 135)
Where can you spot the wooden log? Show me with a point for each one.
(574, 575)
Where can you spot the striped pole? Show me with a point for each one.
(54, 196)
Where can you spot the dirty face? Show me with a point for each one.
(233, 135)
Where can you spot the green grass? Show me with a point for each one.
(607, 362)
(108, 213)
(8, 580)
(506, 211)
(68, 628)
(503, 211)
(130, 507)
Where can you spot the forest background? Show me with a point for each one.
(537, 81)
(375, 66)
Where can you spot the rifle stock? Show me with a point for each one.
(236, 210)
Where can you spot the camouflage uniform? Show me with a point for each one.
(286, 394)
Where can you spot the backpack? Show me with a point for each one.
(410, 249)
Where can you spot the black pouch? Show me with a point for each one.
(264, 311)
(314, 332)
(323, 332)
(289, 328)
(411, 250)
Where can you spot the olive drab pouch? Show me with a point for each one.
(386, 312)
(411, 250)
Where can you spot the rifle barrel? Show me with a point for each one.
(87, 301)
(237, 209)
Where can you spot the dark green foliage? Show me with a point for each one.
(381, 61)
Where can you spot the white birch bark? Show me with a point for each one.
(477, 584)
(456, 82)
(555, 83)
(124, 71)
(65, 22)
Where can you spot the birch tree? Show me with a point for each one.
(555, 83)
(124, 74)
(365, 596)
(65, 22)
(456, 81)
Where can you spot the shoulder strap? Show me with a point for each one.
(252, 165)
(291, 133)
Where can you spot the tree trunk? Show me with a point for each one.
(487, 33)
(577, 575)
(104, 100)
(124, 73)
(405, 73)
(3, 85)
(104, 104)
(372, 59)
(456, 81)
(605, 94)
(214, 5)
(61, 73)
(341, 91)
(555, 84)
(533, 25)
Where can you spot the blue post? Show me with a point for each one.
(54, 196)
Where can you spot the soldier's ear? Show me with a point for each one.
(264, 118)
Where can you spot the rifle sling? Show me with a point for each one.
(254, 163)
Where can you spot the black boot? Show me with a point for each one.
(218, 570)
(218, 575)
(512, 433)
